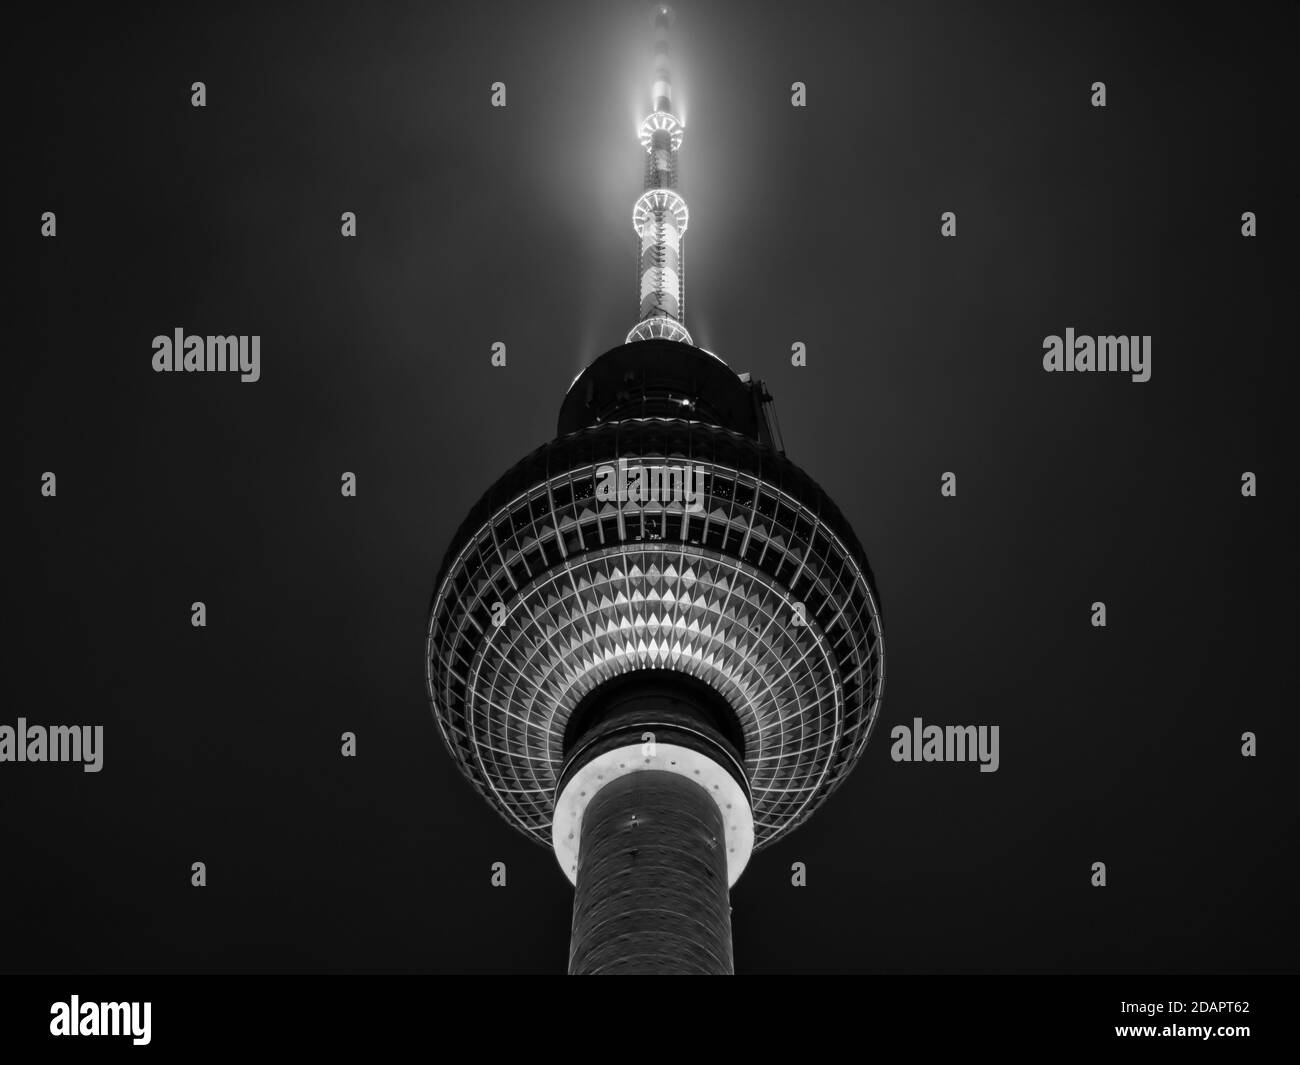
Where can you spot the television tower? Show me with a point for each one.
(655, 643)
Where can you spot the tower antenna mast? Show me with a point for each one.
(660, 216)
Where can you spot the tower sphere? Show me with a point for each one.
(758, 590)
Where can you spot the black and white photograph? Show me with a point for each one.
(409, 580)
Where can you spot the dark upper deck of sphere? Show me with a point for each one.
(661, 379)
(587, 591)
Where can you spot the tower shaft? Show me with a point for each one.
(653, 824)
(651, 895)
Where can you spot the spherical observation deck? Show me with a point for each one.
(756, 587)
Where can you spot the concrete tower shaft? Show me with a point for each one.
(660, 828)
(653, 822)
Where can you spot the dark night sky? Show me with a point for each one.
(818, 225)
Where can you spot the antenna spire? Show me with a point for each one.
(660, 216)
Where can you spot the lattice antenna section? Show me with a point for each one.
(660, 215)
